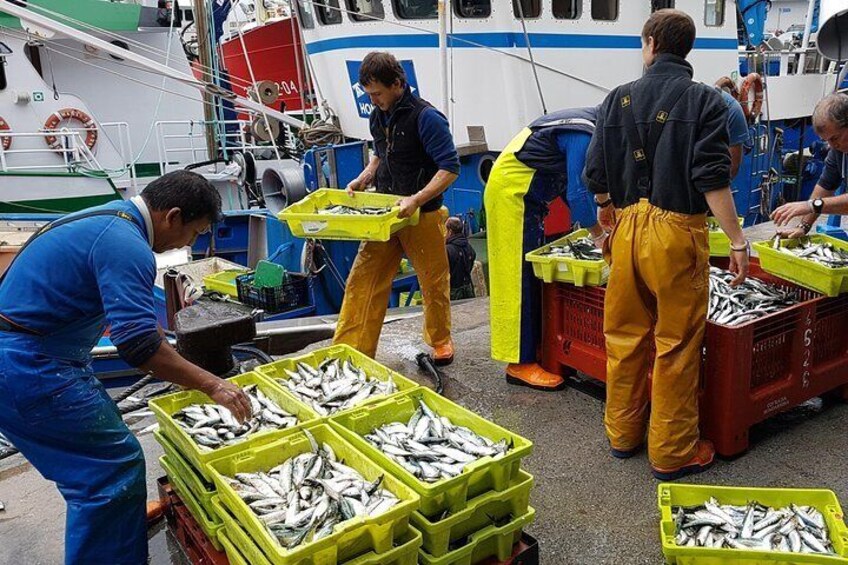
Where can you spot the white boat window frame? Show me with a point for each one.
(306, 13)
(459, 14)
(662, 5)
(723, 12)
(396, 6)
(325, 8)
(527, 16)
(357, 16)
(578, 4)
(617, 10)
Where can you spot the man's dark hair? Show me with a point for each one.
(381, 67)
(673, 32)
(190, 192)
(454, 225)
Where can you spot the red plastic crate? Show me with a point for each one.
(187, 532)
(749, 373)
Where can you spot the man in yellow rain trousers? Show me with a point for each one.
(416, 160)
(543, 162)
(658, 161)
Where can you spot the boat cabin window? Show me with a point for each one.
(567, 9)
(473, 8)
(328, 12)
(365, 10)
(714, 13)
(305, 13)
(661, 5)
(606, 10)
(416, 9)
(527, 8)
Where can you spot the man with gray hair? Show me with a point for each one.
(830, 121)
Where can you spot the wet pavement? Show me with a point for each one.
(591, 508)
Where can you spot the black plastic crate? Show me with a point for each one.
(274, 300)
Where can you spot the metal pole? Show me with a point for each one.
(808, 25)
(443, 54)
(201, 20)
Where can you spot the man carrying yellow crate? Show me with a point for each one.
(415, 158)
(543, 162)
(658, 161)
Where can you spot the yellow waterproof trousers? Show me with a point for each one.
(658, 286)
(370, 284)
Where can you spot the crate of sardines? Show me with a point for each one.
(444, 452)
(719, 242)
(334, 214)
(202, 430)
(704, 524)
(313, 498)
(572, 259)
(818, 262)
(335, 379)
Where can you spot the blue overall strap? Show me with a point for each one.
(643, 153)
(8, 325)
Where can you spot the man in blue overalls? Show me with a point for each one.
(72, 278)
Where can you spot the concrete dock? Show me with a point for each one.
(591, 508)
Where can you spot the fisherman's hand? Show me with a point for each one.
(360, 183)
(790, 210)
(407, 206)
(792, 233)
(606, 217)
(739, 262)
(232, 398)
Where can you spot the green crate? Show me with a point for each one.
(493, 541)
(164, 406)
(404, 552)
(304, 221)
(447, 494)
(350, 538)
(824, 501)
(719, 242)
(234, 556)
(276, 370)
(209, 524)
(562, 269)
(481, 512)
(224, 281)
(814, 276)
(200, 488)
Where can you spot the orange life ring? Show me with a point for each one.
(59, 116)
(752, 82)
(7, 141)
(728, 84)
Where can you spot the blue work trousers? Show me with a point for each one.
(61, 419)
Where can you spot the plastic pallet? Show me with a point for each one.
(304, 221)
(350, 538)
(825, 501)
(452, 494)
(750, 372)
(526, 552)
(188, 533)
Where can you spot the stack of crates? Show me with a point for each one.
(465, 519)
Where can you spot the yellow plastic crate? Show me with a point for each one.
(305, 221)
(349, 538)
(493, 541)
(563, 269)
(210, 525)
(452, 494)
(200, 488)
(224, 281)
(719, 242)
(277, 370)
(809, 274)
(481, 512)
(164, 406)
(233, 554)
(672, 494)
(404, 552)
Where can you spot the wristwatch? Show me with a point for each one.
(817, 205)
(605, 203)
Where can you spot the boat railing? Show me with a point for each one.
(71, 147)
(125, 149)
(787, 62)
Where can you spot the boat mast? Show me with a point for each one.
(204, 53)
(443, 54)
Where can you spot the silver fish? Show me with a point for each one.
(582, 248)
(823, 253)
(430, 447)
(731, 306)
(342, 210)
(796, 529)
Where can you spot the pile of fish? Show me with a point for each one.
(342, 210)
(430, 447)
(212, 426)
(6, 447)
(824, 253)
(335, 385)
(752, 299)
(304, 498)
(797, 529)
(582, 248)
